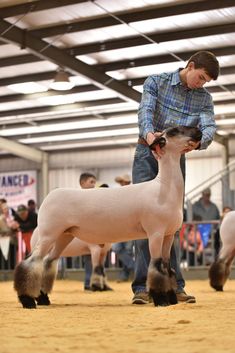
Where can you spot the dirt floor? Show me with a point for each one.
(79, 321)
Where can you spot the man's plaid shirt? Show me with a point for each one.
(166, 103)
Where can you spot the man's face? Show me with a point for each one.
(196, 78)
(89, 183)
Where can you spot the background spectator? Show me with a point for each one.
(28, 222)
(8, 230)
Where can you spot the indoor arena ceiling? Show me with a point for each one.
(108, 47)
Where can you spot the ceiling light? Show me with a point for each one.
(61, 82)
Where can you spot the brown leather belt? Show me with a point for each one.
(142, 141)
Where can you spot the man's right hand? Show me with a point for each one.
(151, 136)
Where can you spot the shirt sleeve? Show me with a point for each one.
(147, 106)
(207, 123)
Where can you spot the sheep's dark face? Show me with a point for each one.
(218, 274)
(177, 137)
(193, 133)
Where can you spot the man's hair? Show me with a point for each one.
(85, 176)
(31, 202)
(206, 60)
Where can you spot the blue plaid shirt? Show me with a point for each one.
(166, 103)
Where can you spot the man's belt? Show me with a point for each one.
(161, 141)
(142, 141)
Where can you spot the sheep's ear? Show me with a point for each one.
(159, 141)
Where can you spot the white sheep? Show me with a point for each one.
(152, 210)
(219, 271)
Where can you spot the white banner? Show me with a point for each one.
(18, 187)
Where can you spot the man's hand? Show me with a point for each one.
(190, 146)
(158, 153)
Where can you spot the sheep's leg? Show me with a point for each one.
(160, 276)
(219, 271)
(28, 275)
(104, 250)
(98, 278)
(166, 249)
(50, 268)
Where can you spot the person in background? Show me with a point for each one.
(204, 209)
(32, 207)
(171, 99)
(28, 222)
(8, 228)
(87, 181)
(192, 246)
(124, 250)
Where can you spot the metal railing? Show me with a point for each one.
(225, 176)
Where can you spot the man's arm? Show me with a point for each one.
(147, 109)
(207, 124)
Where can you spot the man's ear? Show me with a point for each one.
(159, 141)
(191, 65)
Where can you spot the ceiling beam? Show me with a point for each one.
(128, 16)
(21, 150)
(158, 37)
(159, 59)
(121, 64)
(42, 76)
(18, 60)
(22, 97)
(33, 6)
(57, 120)
(60, 108)
(75, 131)
(86, 88)
(48, 52)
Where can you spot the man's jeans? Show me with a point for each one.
(142, 259)
(88, 270)
(124, 250)
(145, 168)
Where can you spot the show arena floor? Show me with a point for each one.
(79, 321)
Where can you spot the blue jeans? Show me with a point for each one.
(88, 270)
(124, 250)
(145, 167)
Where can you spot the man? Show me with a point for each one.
(87, 181)
(204, 209)
(28, 222)
(171, 99)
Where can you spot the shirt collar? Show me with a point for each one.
(176, 78)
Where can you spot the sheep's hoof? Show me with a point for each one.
(172, 297)
(96, 288)
(43, 299)
(27, 301)
(159, 298)
(218, 288)
(106, 288)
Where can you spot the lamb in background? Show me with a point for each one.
(221, 268)
(76, 247)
